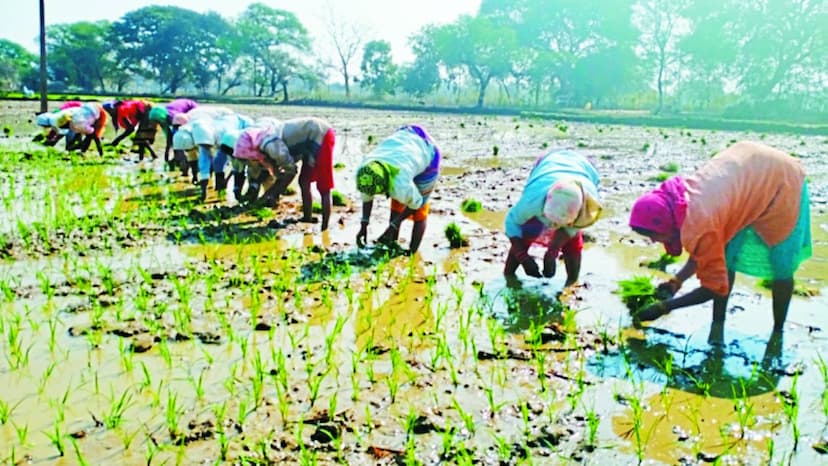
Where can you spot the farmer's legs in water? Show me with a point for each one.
(781, 292)
(205, 162)
(720, 302)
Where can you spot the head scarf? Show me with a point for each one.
(45, 119)
(247, 145)
(229, 139)
(180, 119)
(663, 211)
(374, 178)
(183, 139)
(159, 114)
(569, 205)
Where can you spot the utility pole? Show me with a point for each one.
(44, 105)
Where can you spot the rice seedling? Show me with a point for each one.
(471, 205)
(56, 437)
(790, 406)
(637, 293)
(22, 433)
(118, 407)
(669, 167)
(663, 176)
(455, 237)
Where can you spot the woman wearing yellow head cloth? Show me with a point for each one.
(560, 198)
(405, 167)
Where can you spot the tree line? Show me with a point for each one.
(739, 57)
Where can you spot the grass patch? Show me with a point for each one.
(471, 206)
(338, 199)
(455, 236)
(671, 167)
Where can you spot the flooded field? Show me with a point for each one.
(139, 327)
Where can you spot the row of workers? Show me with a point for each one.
(746, 210)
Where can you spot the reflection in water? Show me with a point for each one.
(386, 318)
(344, 263)
(718, 397)
(518, 306)
(716, 367)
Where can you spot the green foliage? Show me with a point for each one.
(660, 177)
(455, 236)
(338, 199)
(16, 64)
(82, 54)
(262, 213)
(637, 293)
(379, 73)
(316, 207)
(661, 263)
(339, 166)
(471, 205)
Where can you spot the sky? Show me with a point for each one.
(390, 20)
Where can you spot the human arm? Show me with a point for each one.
(519, 251)
(560, 238)
(362, 235)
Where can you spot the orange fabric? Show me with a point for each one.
(747, 184)
(322, 172)
(418, 215)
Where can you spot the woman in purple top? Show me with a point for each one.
(164, 117)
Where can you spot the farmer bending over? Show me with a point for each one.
(746, 210)
(278, 148)
(560, 198)
(404, 167)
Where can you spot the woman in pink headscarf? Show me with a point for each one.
(746, 210)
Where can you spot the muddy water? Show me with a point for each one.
(231, 340)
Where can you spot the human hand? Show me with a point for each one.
(531, 267)
(652, 312)
(668, 289)
(387, 237)
(362, 235)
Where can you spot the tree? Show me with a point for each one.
(479, 46)
(277, 41)
(16, 64)
(347, 38)
(165, 43)
(379, 73)
(661, 26)
(554, 35)
(80, 53)
(423, 75)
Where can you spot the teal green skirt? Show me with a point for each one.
(748, 254)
